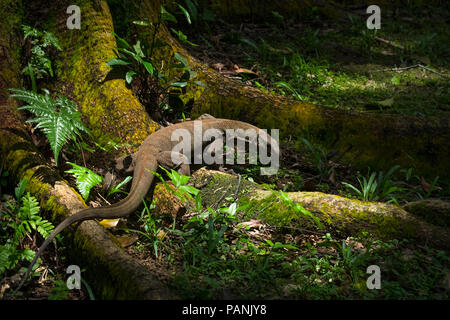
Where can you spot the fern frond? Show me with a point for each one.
(5, 252)
(57, 129)
(59, 120)
(44, 227)
(85, 179)
(29, 208)
(40, 105)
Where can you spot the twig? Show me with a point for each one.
(411, 67)
(220, 199)
(389, 43)
(107, 202)
(434, 71)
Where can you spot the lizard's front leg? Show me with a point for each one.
(126, 163)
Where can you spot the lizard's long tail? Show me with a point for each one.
(142, 181)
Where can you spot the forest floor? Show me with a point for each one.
(403, 68)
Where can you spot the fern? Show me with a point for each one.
(26, 212)
(30, 220)
(39, 65)
(85, 179)
(58, 119)
(5, 252)
(23, 218)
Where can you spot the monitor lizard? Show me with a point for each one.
(155, 150)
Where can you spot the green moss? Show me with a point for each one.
(109, 108)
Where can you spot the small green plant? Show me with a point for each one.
(40, 65)
(152, 232)
(118, 187)
(287, 86)
(86, 179)
(59, 290)
(377, 187)
(298, 208)
(184, 192)
(319, 158)
(152, 85)
(368, 40)
(58, 119)
(21, 216)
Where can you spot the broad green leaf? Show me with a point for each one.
(129, 76)
(199, 83)
(117, 62)
(190, 189)
(181, 59)
(148, 66)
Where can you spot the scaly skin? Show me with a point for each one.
(146, 162)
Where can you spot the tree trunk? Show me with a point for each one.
(109, 270)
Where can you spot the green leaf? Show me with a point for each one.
(29, 208)
(199, 83)
(143, 23)
(122, 42)
(117, 62)
(185, 12)
(120, 185)
(289, 88)
(178, 84)
(138, 49)
(166, 16)
(182, 37)
(395, 80)
(192, 9)
(181, 59)
(20, 189)
(85, 179)
(190, 189)
(251, 44)
(148, 66)
(129, 76)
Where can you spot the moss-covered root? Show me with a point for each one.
(338, 214)
(111, 272)
(434, 211)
